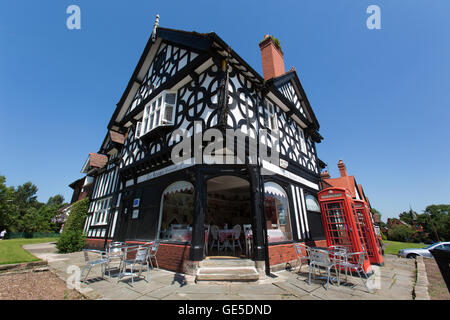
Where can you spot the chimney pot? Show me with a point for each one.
(272, 58)
(325, 175)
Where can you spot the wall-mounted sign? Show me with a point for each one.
(135, 214)
(136, 203)
(283, 163)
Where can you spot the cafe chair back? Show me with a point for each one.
(321, 259)
(302, 252)
(357, 267)
(100, 260)
(215, 237)
(152, 254)
(141, 255)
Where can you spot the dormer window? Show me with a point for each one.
(159, 112)
(270, 116)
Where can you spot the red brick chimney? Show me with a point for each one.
(272, 58)
(342, 168)
(325, 175)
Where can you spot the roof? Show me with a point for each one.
(97, 160)
(94, 160)
(292, 75)
(76, 182)
(206, 43)
(116, 137)
(347, 182)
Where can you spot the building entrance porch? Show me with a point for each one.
(228, 219)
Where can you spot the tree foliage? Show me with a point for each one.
(20, 211)
(400, 232)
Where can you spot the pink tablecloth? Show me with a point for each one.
(275, 235)
(223, 234)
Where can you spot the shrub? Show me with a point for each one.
(400, 233)
(72, 238)
(77, 216)
(71, 241)
(383, 236)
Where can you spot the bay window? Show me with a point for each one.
(158, 112)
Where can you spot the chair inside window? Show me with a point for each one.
(215, 237)
(248, 238)
(235, 242)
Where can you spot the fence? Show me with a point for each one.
(15, 235)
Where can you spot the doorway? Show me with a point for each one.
(228, 219)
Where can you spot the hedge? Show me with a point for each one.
(72, 238)
(28, 235)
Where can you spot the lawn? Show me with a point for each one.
(11, 250)
(392, 247)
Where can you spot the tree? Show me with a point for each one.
(400, 232)
(56, 201)
(437, 221)
(5, 203)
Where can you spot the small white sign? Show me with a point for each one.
(136, 202)
(135, 214)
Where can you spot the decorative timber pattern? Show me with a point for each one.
(289, 92)
(168, 60)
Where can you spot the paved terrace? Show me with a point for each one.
(394, 281)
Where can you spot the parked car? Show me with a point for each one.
(424, 252)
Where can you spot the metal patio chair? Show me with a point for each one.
(358, 267)
(321, 258)
(103, 262)
(115, 252)
(152, 254)
(302, 252)
(140, 259)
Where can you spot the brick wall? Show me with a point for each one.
(170, 256)
(283, 253)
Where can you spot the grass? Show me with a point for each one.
(392, 247)
(11, 250)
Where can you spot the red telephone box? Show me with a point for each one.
(370, 238)
(340, 221)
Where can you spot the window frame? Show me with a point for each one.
(270, 115)
(154, 114)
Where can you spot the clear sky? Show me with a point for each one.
(381, 96)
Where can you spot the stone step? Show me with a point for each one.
(223, 263)
(227, 274)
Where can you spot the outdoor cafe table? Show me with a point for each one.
(224, 235)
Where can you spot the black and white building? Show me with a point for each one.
(195, 82)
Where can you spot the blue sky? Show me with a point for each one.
(381, 96)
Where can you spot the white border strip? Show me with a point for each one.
(294, 200)
(275, 169)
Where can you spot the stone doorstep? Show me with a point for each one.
(228, 274)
